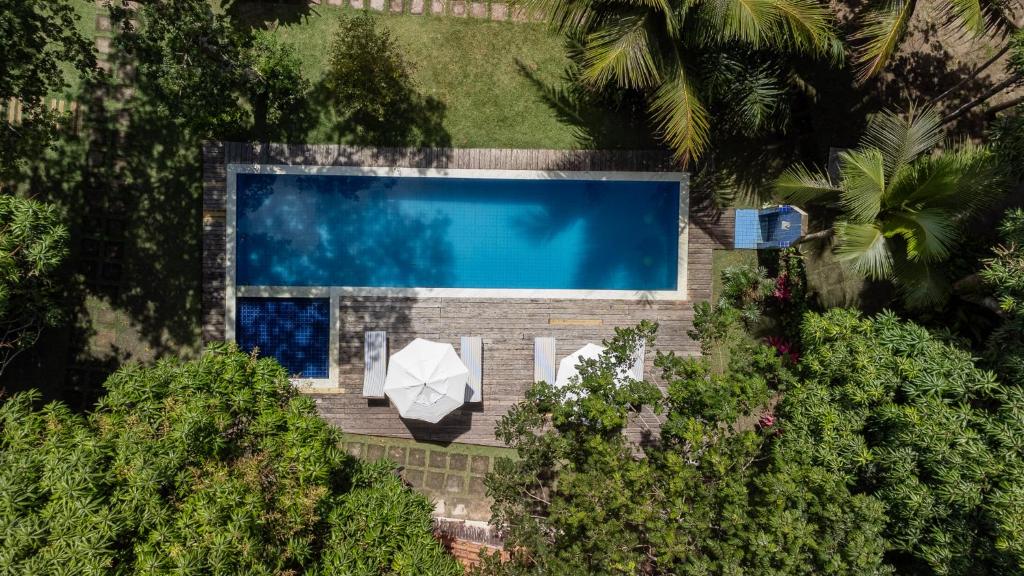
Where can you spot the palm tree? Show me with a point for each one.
(688, 56)
(902, 204)
(884, 27)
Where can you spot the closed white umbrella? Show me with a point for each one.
(567, 367)
(426, 380)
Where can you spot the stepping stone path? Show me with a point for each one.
(452, 476)
(496, 11)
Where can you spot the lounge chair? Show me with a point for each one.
(636, 371)
(376, 363)
(544, 359)
(471, 351)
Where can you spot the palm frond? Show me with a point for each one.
(920, 284)
(807, 26)
(749, 21)
(929, 233)
(969, 14)
(574, 18)
(621, 53)
(864, 249)
(799, 185)
(881, 34)
(900, 138)
(863, 186)
(752, 100)
(961, 180)
(680, 115)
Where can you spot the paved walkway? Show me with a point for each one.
(451, 475)
(497, 11)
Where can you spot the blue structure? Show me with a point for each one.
(776, 227)
(295, 331)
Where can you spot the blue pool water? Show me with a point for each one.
(295, 331)
(330, 230)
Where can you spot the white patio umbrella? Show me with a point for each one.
(567, 367)
(426, 380)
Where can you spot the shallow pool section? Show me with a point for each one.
(295, 331)
(455, 232)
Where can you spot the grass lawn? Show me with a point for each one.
(86, 11)
(475, 68)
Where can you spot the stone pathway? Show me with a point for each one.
(496, 11)
(451, 475)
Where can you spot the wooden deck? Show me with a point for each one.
(507, 326)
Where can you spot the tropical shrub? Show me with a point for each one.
(214, 466)
(695, 62)
(908, 419)
(33, 245)
(710, 496)
(902, 207)
(1004, 273)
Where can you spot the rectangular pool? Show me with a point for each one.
(456, 229)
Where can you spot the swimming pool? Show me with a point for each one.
(462, 231)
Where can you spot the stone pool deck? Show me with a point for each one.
(507, 326)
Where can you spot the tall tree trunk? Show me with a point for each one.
(983, 97)
(813, 236)
(974, 74)
(1004, 105)
(259, 116)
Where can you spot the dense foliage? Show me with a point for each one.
(712, 495)
(33, 245)
(1004, 273)
(218, 79)
(37, 40)
(698, 63)
(888, 451)
(213, 466)
(907, 418)
(903, 208)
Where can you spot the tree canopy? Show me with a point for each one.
(214, 466)
(219, 80)
(902, 206)
(882, 450)
(908, 419)
(33, 246)
(37, 41)
(703, 66)
(710, 495)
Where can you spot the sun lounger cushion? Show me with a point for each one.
(471, 350)
(376, 363)
(544, 359)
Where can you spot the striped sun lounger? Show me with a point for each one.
(376, 358)
(544, 359)
(471, 350)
